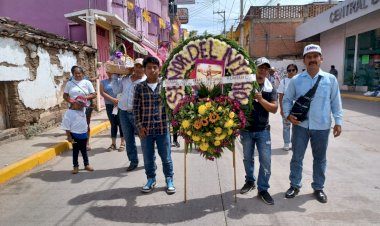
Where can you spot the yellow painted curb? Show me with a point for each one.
(358, 97)
(43, 156)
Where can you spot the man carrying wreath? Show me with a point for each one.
(258, 133)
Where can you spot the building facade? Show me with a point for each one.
(349, 35)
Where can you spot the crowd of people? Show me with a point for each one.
(134, 107)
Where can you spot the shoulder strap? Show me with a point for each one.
(311, 92)
(79, 87)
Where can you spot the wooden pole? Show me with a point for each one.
(185, 184)
(234, 165)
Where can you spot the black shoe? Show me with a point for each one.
(265, 196)
(320, 196)
(177, 144)
(291, 192)
(131, 167)
(248, 186)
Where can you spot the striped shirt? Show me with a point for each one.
(126, 87)
(149, 109)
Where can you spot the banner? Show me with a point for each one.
(209, 81)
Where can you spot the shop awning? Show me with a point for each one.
(136, 47)
(153, 53)
(110, 18)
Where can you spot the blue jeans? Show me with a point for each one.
(163, 148)
(286, 124)
(128, 126)
(318, 140)
(262, 140)
(115, 122)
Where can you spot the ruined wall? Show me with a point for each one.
(34, 68)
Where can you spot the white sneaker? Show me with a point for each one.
(286, 147)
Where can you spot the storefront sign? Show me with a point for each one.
(350, 8)
(185, 2)
(183, 15)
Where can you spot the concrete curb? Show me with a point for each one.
(358, 97)
(43, 156)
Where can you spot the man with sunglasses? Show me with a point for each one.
(316, 127)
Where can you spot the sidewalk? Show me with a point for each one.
(20, 156)
(358, 96)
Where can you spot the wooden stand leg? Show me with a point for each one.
(234, 165)
(185, 184)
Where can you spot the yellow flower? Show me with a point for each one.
(198, 124)
(217, 143)
(203, 140)
(185, 124)
(220, 108)
(221, 137)
(232, 114)
(218, 130)
(195, 138)
(202, 109)
(229, 123)
(203, 146)
(188, 133)
(208, 105)
(230, 131)
(209, 134)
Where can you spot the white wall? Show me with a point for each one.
(333, 41)
(12, 54)
(46, 90)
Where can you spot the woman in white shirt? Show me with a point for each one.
(292, 70)
(78, 86)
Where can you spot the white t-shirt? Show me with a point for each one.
(152, 86)
(283, 85)
(72, 88)
(75, 121)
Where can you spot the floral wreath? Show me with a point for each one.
(209, 119)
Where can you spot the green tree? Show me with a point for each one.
(193, 33)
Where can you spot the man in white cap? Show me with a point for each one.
(316, 127)
(126, 86)
(258, 134)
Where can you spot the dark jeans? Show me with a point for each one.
(80, 145)
(114, 120)
(128, 126)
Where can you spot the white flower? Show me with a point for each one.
(244, 102)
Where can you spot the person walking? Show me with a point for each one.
(153, 125)
(111, 101)
(75, 124)
(126, 86)
(316, 127)
(79, 86)
(292, 70)
(258, 133)
(333, 71)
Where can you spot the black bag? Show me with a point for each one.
(302, 104)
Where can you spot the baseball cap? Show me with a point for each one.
(312, 48)
(262, 60)
(139, 61)
(81, 100)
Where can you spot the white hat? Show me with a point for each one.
(261, 61)
(312, 48)
(139, 61)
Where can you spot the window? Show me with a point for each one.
(368, 59)
(349, 60)
(131, 16)
(152, 27)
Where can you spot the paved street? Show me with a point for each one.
(51, 195)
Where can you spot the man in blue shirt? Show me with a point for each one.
(316, 127)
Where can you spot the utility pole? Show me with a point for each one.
(241, 25)
(224, 20)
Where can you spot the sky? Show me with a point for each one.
(202, 14)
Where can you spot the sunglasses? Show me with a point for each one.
(292, 70)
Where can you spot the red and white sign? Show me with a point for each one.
(183, 15)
